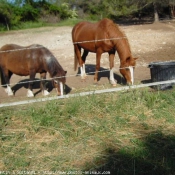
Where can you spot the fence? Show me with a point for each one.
(82, 93)
(86, 93)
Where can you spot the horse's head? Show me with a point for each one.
(127, 70)
(59, 82)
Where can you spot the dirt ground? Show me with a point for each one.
(149, 42)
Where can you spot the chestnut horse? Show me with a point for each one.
(30, 60)
(100, 37)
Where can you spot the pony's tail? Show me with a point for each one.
(1, 77)
(3, 82)
(75, 61)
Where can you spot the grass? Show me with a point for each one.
(31, 24)
(131, 133)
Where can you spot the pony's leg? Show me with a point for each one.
(7, 75)
(111, 64)
(32, 77)
(43, 84)
(9, 91)
(98, 57)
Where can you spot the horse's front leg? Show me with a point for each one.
(32, 77)
(83, 71)
(111, 65)
(43, 84)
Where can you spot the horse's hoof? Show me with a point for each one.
(83, 77)
(83, 80)
(113, 83)
(129, 84)
(45, 93)
(59, 94)
(95, 81)
(10, 93)
(30, 93)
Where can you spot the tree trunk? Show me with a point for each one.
(172, 11)
(156, 15)
(7, 24)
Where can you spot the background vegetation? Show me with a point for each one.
(131, 132)
(16, 13)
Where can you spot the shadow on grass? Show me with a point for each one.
(156, 158)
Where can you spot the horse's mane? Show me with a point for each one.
(114, 31)
(124, 35)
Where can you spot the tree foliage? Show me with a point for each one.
(13, 13)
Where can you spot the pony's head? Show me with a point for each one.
(127, 69)
(58, 82)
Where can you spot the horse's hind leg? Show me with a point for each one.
(43, 84)
(83, 70)
(81, 60)
(111, 64)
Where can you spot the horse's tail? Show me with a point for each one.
(1, 77)
(75, 61)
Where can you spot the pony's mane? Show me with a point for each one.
(54, 68)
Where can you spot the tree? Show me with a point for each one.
(156, 4)
(118, 8)
(6, 14)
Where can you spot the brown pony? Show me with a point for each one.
(30, 60)
(100, 37)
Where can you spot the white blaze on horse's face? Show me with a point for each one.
(61, 87)
(132, 74)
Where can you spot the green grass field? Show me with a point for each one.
(124, 133)
(38, 24)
